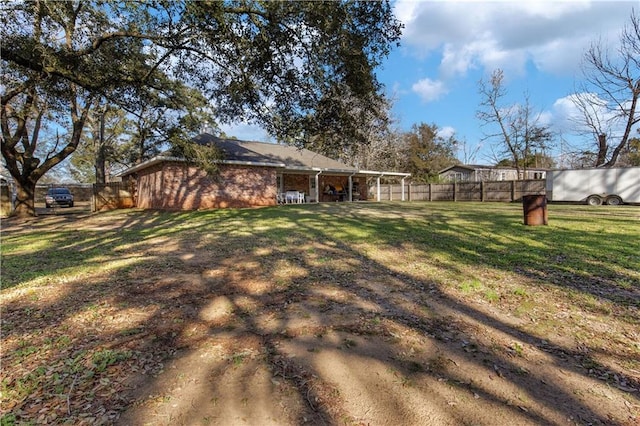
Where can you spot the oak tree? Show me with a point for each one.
(271, 63)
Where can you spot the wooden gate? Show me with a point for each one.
(111, 196)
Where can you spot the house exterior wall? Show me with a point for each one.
(457, 175)
(463, 174)
(295, 182)
(504, 174)
(178, 186)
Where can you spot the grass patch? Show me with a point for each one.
(471, 286)
(491, 295)
(104, 358)
(520, 292)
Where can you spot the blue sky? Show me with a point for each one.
(447, 47)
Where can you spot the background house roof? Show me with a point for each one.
(474, 167)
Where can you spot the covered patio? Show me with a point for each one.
(315, 185)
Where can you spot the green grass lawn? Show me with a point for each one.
(581, 248)
(66, 281)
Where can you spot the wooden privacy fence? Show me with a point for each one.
(112, 195)
(6, 205)
(506, 191)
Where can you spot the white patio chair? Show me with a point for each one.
(291, 197)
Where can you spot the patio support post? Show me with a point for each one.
(351, 188)
(318, 186)
(378, 187)
(402, 183)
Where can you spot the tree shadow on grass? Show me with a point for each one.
(224, 320)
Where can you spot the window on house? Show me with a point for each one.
(455, 177)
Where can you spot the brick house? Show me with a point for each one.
(250, 174)
(478, 173)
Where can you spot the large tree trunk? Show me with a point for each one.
(602, 150)
(100, 153)
(25, 199)
(100, 166)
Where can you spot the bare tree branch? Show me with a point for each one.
(615, 82)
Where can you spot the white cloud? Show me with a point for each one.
(506, 34)
(446, 132)
(544, 118)
(429, 90)
(456, 61)
(405, 10)
(563, 114)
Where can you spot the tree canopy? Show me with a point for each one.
(269, 62)
(428, 152)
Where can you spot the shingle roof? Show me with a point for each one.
(261, 152)
(267, 154)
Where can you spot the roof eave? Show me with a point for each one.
(161, 158)
(155, 160)
(377, 173)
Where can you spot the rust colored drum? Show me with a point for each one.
(535, 210)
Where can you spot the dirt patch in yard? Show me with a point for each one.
(201, 323)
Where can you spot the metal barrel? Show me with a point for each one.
(535, 210)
